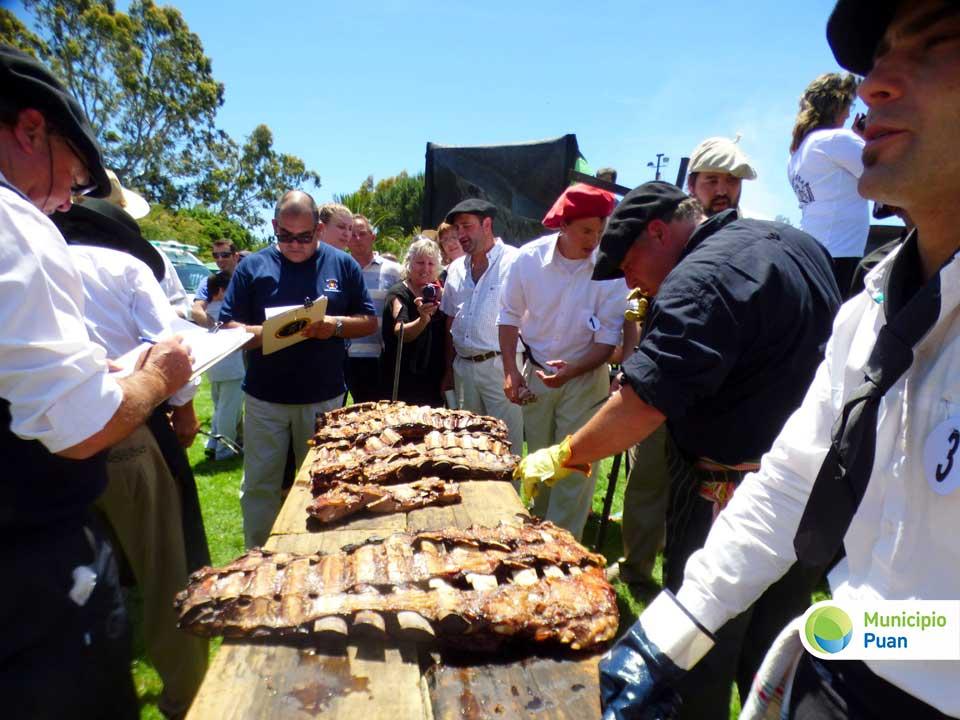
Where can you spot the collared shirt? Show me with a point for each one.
(54, 378)
(379, 276)
(560, 311)
(474, 306)
(734, 336)
(123, 302)
(312, 370)
(901, 543)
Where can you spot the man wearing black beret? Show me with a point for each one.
(65, 650)
(867, 466)
(740, 313)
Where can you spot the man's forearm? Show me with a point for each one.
(509, 336)
(143, 391)
(622, 422)
(255, 330)
(356, 326)
(198, 312)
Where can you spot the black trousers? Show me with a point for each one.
(849, 690)
(364, 380)
(60, 659)
(742, 643)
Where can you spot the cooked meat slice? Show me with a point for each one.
(341, 499)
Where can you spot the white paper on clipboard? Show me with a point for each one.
(283, 330)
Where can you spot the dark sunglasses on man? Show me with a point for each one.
(223, 255)
(303, 238)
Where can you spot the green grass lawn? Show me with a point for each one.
(218, 484)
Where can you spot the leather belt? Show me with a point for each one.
(714, 466)
(481, 357)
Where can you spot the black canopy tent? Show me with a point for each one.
(523, 180)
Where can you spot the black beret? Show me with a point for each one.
(648, 202)
(854, 29)
(103, 224)
(32, 85)
(472, 206)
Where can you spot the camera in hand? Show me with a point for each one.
(431, 293)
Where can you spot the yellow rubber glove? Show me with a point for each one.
(545, 466)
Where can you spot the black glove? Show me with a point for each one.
(637, 677)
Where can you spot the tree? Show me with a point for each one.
(243, 180)
(194, 226)
(148, 89)
(393, 206)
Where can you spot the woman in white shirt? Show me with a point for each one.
(825, 164)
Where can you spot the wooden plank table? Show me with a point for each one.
(372, 679)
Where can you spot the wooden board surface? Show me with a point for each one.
(368, 679)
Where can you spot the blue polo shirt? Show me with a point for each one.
(734, 336)
(312, 370)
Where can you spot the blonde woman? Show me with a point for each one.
(825, 165)
(412, 307)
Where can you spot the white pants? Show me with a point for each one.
(480, 389)
(559, 412)
(227, 397)
(267, 431)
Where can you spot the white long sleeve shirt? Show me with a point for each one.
(124, 302)
(901, 543)
(474, 306)
(53, 376)
(560, 311)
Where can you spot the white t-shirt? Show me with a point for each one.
(824, 172)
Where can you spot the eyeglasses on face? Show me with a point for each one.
(303, 238)
(81, 188)
(222, 255)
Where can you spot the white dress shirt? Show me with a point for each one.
(901, 543)
(560, 311)
(124, 302)
(379, 275)
(54, 378)
(474, 306)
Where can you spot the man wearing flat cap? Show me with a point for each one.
(66, 649)
(717, 170)
(569, 327)
(471, 301)
(740, 313)
(866, 468)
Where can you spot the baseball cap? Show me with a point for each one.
(648, 202)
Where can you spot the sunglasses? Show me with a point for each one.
(222, 255)
(77, 189)
(303, 238)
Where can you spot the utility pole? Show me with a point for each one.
(662, 160)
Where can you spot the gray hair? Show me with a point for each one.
(296, 202)
(421, 246)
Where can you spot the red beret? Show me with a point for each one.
(580, 201)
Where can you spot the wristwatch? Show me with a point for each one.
(338, 329)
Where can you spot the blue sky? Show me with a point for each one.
(360, 88)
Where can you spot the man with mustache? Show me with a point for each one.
(717, 169)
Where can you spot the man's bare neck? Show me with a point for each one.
(364, 260)
(937, 237)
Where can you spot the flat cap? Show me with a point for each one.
(721, 155)
(103, 224)
(854, 29)
(472, 206)
(27, 81)
(650, 201)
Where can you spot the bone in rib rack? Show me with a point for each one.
(474, 588)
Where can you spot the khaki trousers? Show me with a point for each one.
(555, 414)
(479, 387)
(268, 429)
(142, 503)
(645, 506)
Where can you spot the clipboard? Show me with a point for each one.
(281, 330)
